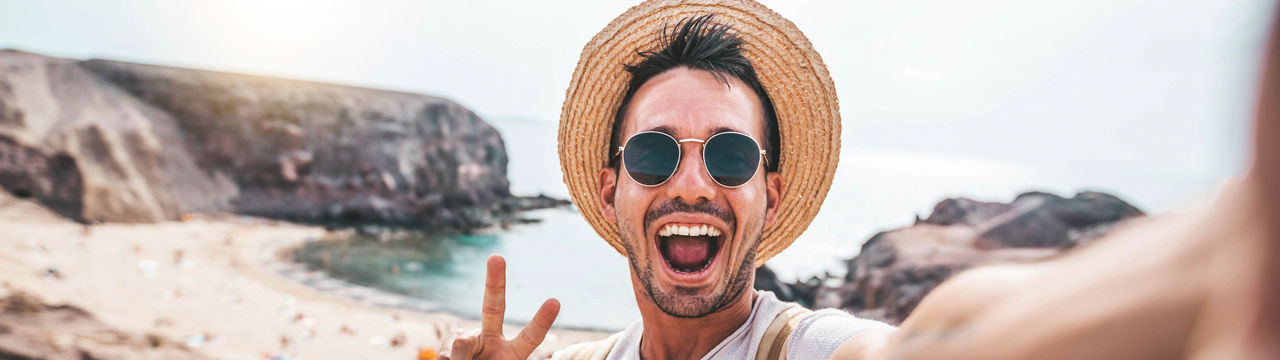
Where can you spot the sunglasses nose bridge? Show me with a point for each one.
(691, 181)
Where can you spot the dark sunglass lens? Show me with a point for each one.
(650, 158)
(731, 158)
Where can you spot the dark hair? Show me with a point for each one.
(697, 43)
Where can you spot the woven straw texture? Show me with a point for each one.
(789, 68)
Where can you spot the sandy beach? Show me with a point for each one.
(210, 282)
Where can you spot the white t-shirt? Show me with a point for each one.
(815, 337)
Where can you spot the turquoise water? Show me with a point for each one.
(559, 257)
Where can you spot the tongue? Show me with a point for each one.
(688, 252)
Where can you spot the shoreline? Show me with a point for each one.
(275, 256)
(201, 281)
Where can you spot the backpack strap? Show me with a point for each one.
(593, 350)
(773, 344)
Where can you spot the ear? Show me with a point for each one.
(608, 180)
(773, 190)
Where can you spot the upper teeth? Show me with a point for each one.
(689, 230)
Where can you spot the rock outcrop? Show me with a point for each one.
(102, 140)
(895, 269)
(53, 180)
(32, 329)
(59, 119)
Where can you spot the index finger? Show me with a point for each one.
(495, 296)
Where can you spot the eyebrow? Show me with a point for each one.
(726, 129)
(662, 129)
(670, 131)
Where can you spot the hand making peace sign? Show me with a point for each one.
(488, 342)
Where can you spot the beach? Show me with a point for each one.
(210, 282)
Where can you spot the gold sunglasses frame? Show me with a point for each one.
(763, 160)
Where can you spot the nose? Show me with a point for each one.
(690, 183)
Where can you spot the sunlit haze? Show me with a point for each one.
(1106, 94)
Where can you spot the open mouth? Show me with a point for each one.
(689, 248)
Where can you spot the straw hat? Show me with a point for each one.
(789, 68)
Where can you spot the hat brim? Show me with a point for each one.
(788, 67)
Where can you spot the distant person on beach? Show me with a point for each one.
(699, 139)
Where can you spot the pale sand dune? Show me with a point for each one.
(130, 278)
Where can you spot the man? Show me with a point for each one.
(699, 139)
(700, 146)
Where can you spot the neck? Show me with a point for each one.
(669, 337)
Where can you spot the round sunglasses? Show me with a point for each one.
(652, 157)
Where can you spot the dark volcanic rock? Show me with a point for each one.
(53, 180)
(152, 142)
(896, 269)
(766, 279)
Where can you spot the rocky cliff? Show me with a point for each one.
(102, 140)
(897, 268)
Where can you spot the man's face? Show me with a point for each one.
(691, 275)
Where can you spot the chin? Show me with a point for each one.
(689, 273)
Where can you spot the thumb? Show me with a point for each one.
(532, 335)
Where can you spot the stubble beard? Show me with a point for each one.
(685, 302)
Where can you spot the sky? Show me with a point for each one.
(1151, 88)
